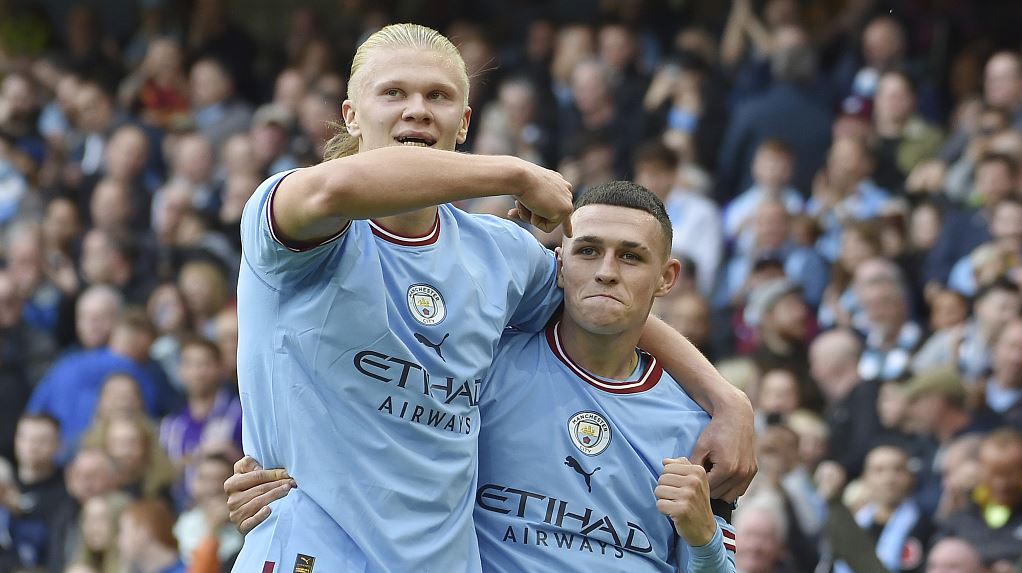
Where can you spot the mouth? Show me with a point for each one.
(606, 296)
(416, 140)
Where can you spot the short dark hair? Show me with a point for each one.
(1007, 160)
(201, 342)
(632, 196)
(1003, 284)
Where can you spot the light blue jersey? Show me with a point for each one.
(568, 464)
(359, 364)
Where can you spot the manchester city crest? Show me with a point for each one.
(426, 304)
(590, 432)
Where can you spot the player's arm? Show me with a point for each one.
(683, 494)
(727, 445)
(316, 202)
(251, 490)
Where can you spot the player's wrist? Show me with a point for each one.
(703, 536)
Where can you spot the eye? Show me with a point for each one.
(392, 92)
(586, 251)
(437, 95)
(631, 257)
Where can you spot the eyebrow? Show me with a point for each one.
(593, 239)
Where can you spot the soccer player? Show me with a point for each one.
(585, 440)
(368, 316)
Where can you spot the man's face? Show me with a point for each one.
(994, 181)
(91, 474)
(760, 548)
(1001, 469)
(998, 307)
(655, 176)
(1002, 81)
(199, 370)
(1008, 355)
(886, 476)
(408, 97)
(788, 317)
(36, 443)
(613, 268)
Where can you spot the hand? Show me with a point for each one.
(830, 480)
(546, 200)
(250, 491)
(728, 448)
(683, 494)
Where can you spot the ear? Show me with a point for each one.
(668, 277)
(350, 122)
(560, 267)
(465, 120)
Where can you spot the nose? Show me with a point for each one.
(417, 109)
(607, 273)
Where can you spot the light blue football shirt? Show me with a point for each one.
(569, 461)
(359, 365)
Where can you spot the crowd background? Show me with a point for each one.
(843, 177)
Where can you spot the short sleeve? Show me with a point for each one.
(263, 249)
(540, 295)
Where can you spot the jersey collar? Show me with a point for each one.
(647, 379)
(387, 235)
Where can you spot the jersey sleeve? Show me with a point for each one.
(263, 249)
(717, 556)
(537, 280)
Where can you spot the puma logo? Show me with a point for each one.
(425, 341)
(572, 463)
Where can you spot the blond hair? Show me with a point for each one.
(394, 36)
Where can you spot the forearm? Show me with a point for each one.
(395, 180)
(690, 368)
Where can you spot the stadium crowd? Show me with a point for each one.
(843, 178)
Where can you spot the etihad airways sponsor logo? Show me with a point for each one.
(568, 522)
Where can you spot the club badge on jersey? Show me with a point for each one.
(426, 304)
(590, 432)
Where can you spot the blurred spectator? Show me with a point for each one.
(70, 390)
(167, 311)
(26, 263)
(948, 309)
(761, 527)
(990, 521)
(900, 529)
(270, 140)
(891, 335)
(204, 532)
(843, 192)
(212, 413)
(967, 347)
(771, 239)
(25, 355)
(120, 396)
(146, 540)
(143, 469)
(851, 410)
(110, 257)
(98, 545)
(904, 139)
(860, 242)
(689, 314)
(158, 90)
(695, 219)
(786, 111)
(1004, 386)
(39, 481)
(226, 336)
(91, 473)
(95, 314)
(216, 112)
(777, 395)
(937, 409)
(772, 169)
(996, 259)
(95, 117)
(996, 179)
(205, 291)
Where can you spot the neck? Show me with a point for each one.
(32, 475)
(890, 127)
(413, 224)
(200, 405)
(951, 423)
(156, 558)
(608, 355)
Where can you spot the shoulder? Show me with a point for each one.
(513, 343)
(497, 228)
